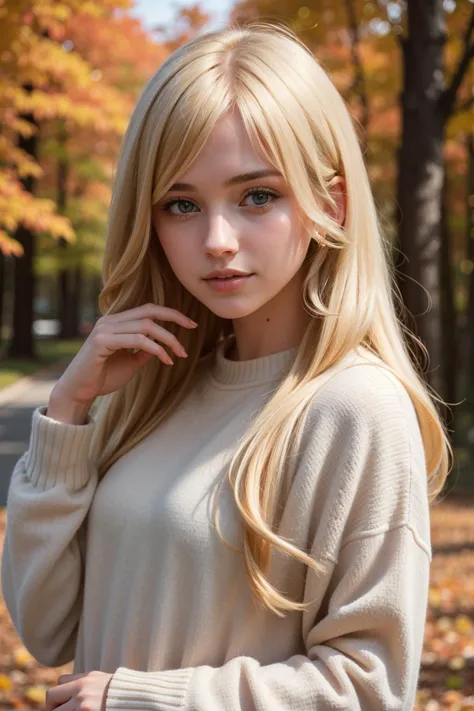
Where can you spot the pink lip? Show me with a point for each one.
(225, 273)
(232, 284)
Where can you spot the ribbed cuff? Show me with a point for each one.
(58, 451)
(148, 691)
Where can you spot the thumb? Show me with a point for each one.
(65, 678)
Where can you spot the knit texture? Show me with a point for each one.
(129, 576)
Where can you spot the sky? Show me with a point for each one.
(154, 12)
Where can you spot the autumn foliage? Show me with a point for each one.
(69, 63)
(71, 72)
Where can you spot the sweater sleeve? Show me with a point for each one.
(49, 495)
(363, 655)
(365, 478)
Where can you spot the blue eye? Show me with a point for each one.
(176, 202)
(259, 192)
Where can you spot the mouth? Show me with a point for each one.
(228, 283)
(229, 276)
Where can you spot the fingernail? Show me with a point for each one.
(192, 323)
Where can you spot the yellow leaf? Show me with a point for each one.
(5, 682)
(22, 657)
(463, 624)
(457, 663)
(434, 597)
(36, 693)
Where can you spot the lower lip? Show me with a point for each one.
(228, 284)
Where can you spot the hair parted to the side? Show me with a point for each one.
(295, 115)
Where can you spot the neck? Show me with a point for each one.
(232, 352)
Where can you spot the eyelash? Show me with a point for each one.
(252, 191)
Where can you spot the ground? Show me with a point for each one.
(447, 669)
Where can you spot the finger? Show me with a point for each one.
(58, 695)
(161, 313)
(139, 359)
(68, 706)
(149, 328)
(64, 678)
(137, 340)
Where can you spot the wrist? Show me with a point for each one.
(63, 409)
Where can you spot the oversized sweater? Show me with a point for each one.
(127, 575)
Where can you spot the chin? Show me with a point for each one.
(231, 311)
(230, 314)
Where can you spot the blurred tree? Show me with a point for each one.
(34, 64)
(21, 344)
(469, 263)
(122, 56)
(69, 297)
(187, 23)
(67, 87)
(427, 105)
(467, 326)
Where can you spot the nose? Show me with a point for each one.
(221, 237)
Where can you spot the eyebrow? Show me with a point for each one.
(242, 178)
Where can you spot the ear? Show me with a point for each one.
(338, 192)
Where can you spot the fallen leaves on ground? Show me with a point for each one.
(447, 663)
(446, 680)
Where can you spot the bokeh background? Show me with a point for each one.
(70, 74)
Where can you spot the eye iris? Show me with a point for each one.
(185, 202)
(260, 194)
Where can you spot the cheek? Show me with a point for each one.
(178, 257)
(282, 241)
(176, 250)
(269, 231)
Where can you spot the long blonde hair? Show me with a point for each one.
(295, 115)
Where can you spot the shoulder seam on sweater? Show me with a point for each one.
(386, 529)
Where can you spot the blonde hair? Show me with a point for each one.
(295, 115)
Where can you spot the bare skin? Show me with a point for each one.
(104, 365)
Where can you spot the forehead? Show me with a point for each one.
(227, 151)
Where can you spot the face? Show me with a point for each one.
(220, 220)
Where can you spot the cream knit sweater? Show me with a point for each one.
(129, 576)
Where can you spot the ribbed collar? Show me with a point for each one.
(235, 374)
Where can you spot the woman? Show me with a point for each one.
(245, 527)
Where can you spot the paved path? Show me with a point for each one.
(17, 403)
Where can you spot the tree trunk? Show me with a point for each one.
(469, 323)
(450, 341)
(420, 178)
(22, 342)
(77, 288)
(2, 293)
(66, 301)
(97, 286)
